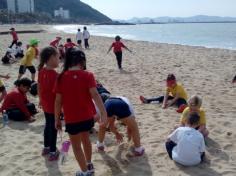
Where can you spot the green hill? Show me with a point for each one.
(79, 11)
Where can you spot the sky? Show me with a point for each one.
(126, 9)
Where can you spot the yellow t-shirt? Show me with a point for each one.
(178, 89)
(1, 83)
(186, 113)
(29, 56)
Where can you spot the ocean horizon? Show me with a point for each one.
(210, 35)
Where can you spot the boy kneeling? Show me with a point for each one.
(16, 104)
(186, 145)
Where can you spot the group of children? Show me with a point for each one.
(83, 101)
(185, 144)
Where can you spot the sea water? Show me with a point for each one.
(212, 35)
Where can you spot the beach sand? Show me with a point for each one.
(207, 72)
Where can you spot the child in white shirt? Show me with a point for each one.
(186, 145)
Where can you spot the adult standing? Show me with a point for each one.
(86, 36)
(79, 37)
(14, 37)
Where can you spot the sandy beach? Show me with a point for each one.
(203, 71)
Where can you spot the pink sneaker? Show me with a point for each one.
(53, 156)
(45, 151)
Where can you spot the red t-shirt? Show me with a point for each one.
(77, 102)
(47, 80)
(16, 99)
(14, 35)
(69, 45)
(54, 43)
(117, 46)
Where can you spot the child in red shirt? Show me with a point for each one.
(75, 92)
(16, 103)
(14, 37)
(56, 42)
(69, 44)
(49, 60)
(117, 49)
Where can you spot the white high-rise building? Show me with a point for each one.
(20, 6)
(62, 13)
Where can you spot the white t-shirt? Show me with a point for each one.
(190, 145)
(79, 36)
(86, 34)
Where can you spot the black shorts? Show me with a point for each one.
(117, 107)
(2, 88)
(79, 42)
(23, 68)
(76, 128)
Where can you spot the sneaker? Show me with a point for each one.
(90, 168)
(100, 147)
(143, 100)
(45, 151)
(139, 152)
(79, 173)
(53, 156)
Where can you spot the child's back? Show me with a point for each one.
(190, 146)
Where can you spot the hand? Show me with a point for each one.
(58, 124)
(119, 138)
(164, 106)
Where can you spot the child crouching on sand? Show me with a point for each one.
(120, 108)
(75, 92)
(16, 103)
(186, 145)
(194, 105)
(174, 92)
(49, 61)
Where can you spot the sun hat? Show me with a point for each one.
(34, 42)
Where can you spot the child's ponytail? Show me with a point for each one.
(45, 55)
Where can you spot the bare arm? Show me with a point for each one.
(109, 49)
(98, 101)
(112, 127)
(164, 105)
(58, 107)
(127, 49)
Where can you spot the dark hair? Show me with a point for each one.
(74, 57)
(24, 82)
(170, 77)
(193, 118)
(117, 38)
(85, 28)
(68, 40)
(45, 54)
(19, 44)
(79, 29)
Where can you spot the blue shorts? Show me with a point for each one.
(117, 107)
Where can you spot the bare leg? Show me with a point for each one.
(101, 134)
(86, 146)
(79, 154)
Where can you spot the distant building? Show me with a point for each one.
(20, 6)
(62, 13)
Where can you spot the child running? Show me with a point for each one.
(16, 104)
(121, 109)
(49, 61)
(174, 92)
(194, 105)
(75, 92)
(14, 37)
(186, 145)
(117, 49)
(3, 91)
(26, 62)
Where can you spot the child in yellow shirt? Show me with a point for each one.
(26, 62)
(3, 91)
(174, 92)
(194, 105)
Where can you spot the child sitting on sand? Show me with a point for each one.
(194, 105)
(49, 61)
(186, 145)
(3, 91)
(16, 103)
(117, 49)
(75, 92)
(120, 108)
(26, 62)
(174, 92)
